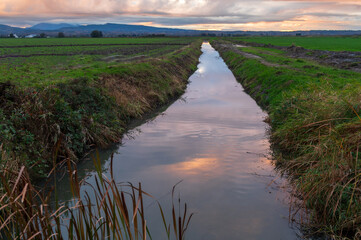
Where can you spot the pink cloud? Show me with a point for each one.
(272, 14)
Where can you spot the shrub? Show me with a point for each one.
(96, 34)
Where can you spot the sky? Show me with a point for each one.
(252, 15)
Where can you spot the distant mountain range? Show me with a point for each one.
(113, 30)
(109, 30)
(52, 26)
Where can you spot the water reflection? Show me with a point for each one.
(215, 142)
(194, 166)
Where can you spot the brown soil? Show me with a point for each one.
(344, 60)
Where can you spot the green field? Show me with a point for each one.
(41, 62)
(76, 41)
(315, 43)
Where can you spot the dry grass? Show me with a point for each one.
(104, 212)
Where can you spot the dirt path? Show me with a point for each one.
(253, 56)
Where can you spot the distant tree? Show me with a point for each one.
(155, 35)
(42, 35)
(96, 34)
(11, 35)
(61, 35)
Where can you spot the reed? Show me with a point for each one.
(109, 210)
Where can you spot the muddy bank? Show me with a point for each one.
(66, 120)
(343, 60)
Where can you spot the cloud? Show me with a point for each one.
(243, 14)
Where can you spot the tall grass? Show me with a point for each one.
(109, 210)
(316, 134)
(91, 109)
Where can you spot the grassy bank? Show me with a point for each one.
(90, 108)
(316, 130)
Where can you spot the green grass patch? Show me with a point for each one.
(312, 69)
(333, 43)
(77, 41)
(43, 62)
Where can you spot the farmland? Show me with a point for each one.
(41, 62)
(63, 96)
(9, 42)
(333, 43)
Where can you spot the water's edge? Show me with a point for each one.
(215, 140)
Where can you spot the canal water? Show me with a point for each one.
(214, 140)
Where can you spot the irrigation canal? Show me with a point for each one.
(215, 140)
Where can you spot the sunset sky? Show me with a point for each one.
(190, 14)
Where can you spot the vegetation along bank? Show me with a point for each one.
(83, 96)
(316, 129)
